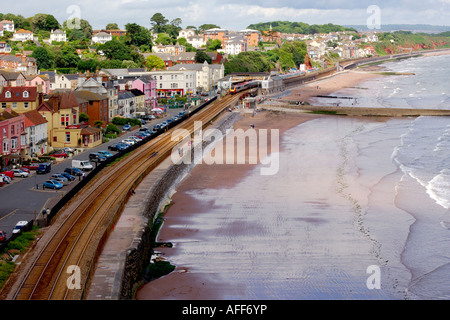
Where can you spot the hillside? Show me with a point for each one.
(298, 27)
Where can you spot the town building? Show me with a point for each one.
(206, 77)
(7, 25)
(36, 134)
(19, 63)
(186, 33)
(40, 81)
(23, 35)
(58, 35)
(147, 85)
(12, 136)
(101, 37)
(175, 82)
(19, 99)
(170, 49)
(94, 105)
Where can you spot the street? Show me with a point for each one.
(21, 200)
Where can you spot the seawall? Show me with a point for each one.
(127, 251)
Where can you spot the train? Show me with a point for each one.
(235, 88)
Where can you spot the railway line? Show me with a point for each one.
(60, 269)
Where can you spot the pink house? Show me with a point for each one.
(39, 80)
(148, 86)
(12, 136)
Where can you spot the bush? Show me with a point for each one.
(112, 129)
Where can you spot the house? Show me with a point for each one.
(58, 35)
(12, 136)
(41, 81)
(197, 41)
(139, 102)
(127, 104)
(101, 37)
(13, 78)
(62, 111)
(94, 105)
(19, 63)
(170, 49)
(4, 47)
(147, 85)
(186, 33)
(235, 45)
(1, 31)
(36, 133)
(19, 99)
(51, 75)
(253, 36)
(207, 75)
(66, 81)
(22, 35)
(7, 25)
(174, 82)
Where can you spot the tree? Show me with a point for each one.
(42, 21)
(213, 45)
(66, 57)
(158, 21)
(204, 27)
(77, 28)
(115, 50)
(201, 57)
(112, 26)
(154, 63)
(164, 39)
(83, 117)
(138, 35)
(44, 59)
(88, 65)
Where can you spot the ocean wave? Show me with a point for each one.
(439, 188)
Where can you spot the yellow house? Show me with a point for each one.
(61, 111)
(20, 99)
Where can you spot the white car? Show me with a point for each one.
(129, 141)
(5, 178)
(20, 173)
(19, 226)
(137, 139)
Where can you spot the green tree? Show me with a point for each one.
(158, 21)
(201, 57)
(112, 26)
(88, 65)
(115, 49)
(213, 45)
(112, 128)
(138, 35)
(154, 63)
(204, 27)
(44, 58)
(77, 29)
(66, 57)
(164, 39)
(83, 117)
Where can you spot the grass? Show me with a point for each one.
(329, 112)
(14, 247)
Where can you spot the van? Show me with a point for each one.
(44, 168)
(82, 165)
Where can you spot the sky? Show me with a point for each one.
(238, 14)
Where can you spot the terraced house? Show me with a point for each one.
(19, 99)
(12, 136)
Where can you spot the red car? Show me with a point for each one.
(59, 154)
(2, 236)
(9, 174)
(31, 166)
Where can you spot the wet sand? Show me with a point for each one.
(186, 282)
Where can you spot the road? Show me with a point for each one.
(20, 200)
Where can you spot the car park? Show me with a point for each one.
(2, 236)
(96, 157)
(74, 171)
(19, 226)
(68, 176)
(105, 153)
(20, 173)
(52, 184)
(127, 127)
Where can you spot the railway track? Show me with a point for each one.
(61, 269)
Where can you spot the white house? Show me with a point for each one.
(207, 75)
(101, 37)
(174, 82)
(235, 45)
(58, 35)
(185, 33)
(22, 35)
(36, 133)
(196, 41)
(127, 104)
(7, 25)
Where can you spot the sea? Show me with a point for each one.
(358, 210)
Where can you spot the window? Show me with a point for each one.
(4, 132)
(13, 143)
(62, 120)
(14, 105)
(5, 146)
(3, 105)
(160, 85)
(7, 94)
(67, 137)
(12, 129)
(25, 104)
(26, 94)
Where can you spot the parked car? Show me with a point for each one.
(2, 236)
(74, 171)
(20, 173)
(105, 153)
(68, 176)
(31, 166)
(52, 184)
(58, 154)
(96, 157)
(8, 173)
(129, 142)
(19, 226)
(127, 127)
(135, 138)
(60, 178)
(68, 150)
(6, 179)
(44, 168)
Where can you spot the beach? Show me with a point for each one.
(352, 195)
